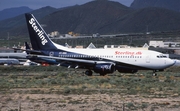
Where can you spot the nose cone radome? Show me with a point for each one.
(171, 62)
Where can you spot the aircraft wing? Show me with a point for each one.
(29, 51)
(85, 63)
(32, 51)
(71, 60)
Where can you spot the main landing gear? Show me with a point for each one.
(88, 72)
(102, 74)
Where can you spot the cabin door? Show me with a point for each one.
(148, 59)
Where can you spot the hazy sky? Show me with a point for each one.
(35, 4)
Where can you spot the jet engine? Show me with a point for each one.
(104, 68)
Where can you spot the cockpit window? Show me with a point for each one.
(161, 56)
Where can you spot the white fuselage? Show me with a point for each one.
(142, 58)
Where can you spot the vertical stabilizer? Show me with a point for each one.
(39, 38)
(27, 46)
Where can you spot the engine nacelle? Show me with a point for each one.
(104, 68)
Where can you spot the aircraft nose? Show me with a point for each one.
(171, 62)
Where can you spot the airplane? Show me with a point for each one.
(12, 58)
(9, 61)
(17, 55)
(102, 61)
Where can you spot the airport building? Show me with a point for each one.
(172, 49)
(164, 44)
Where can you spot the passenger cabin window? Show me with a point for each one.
(128, 56)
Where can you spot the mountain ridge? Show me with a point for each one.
(168, 4)
(104, 17)
(12, 12)
(93, 14)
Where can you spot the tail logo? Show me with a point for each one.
(39, 32)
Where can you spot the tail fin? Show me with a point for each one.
(27, 46)
(39, 38)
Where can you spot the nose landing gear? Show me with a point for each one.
(154, 73)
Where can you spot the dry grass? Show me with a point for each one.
(55, 88)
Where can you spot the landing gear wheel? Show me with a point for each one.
(88, 73)
(102, 74)
(154, 73)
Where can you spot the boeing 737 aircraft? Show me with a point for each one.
(102, 61)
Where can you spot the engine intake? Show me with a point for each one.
(104, 68)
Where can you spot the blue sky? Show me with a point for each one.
(35, 4)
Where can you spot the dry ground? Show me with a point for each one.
(47, 90)
(93, 102)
